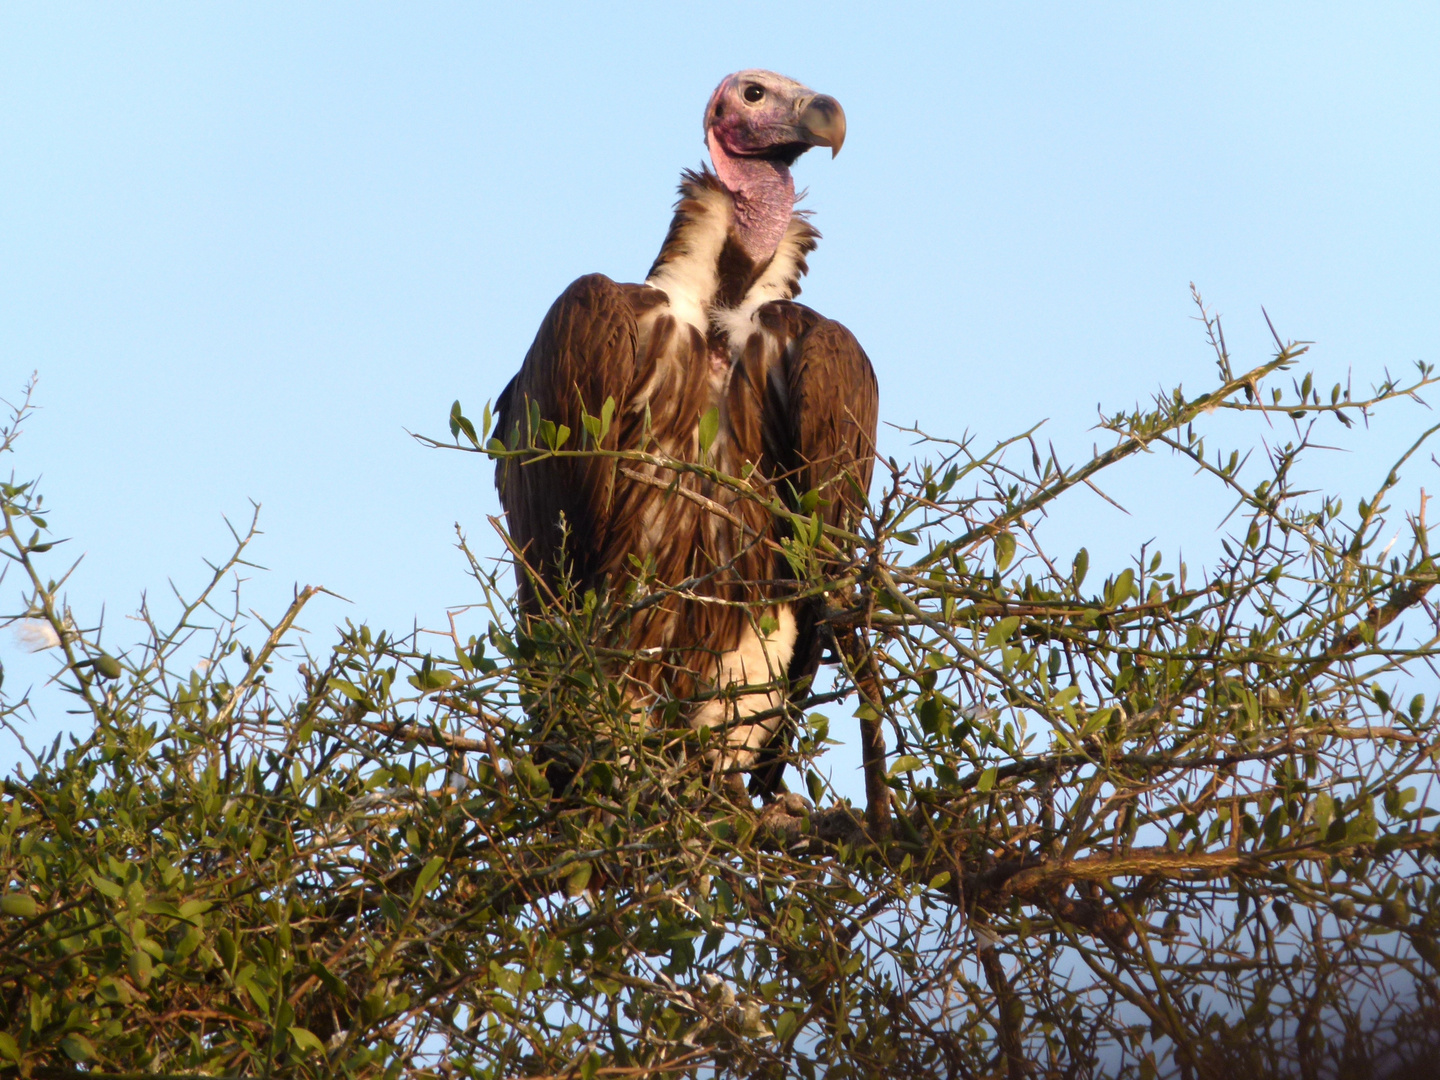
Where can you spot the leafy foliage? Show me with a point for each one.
(1133, 826)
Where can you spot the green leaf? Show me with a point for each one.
(503, 977)
(1124, 587)
(105, 886)
(163, 907)
(77, 1047)
(459, 423)
(326, 976)
(815, 786)
(8, 1048)
(225, 946)
(940, 880)
(592, 428)
(434, 679)
(527, 770)
(1002, 631)
(709, 429)
(192, 940)
(1081, 566)
(934, 717)
(578, 879)
(1098, 720)
(306, 1040)
(906, 763)
(20, 905)
(987, 780)
(257, 993)
(1004, 550)
(349, 689)
(141, 967)
(786, 1025)
(427, 875)
(1388, 843)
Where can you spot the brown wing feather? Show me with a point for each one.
(822, 405)
(561, 511)
(813, 397)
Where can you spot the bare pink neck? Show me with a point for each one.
(764, 194)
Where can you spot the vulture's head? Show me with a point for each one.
(756, 125)
(759, 114)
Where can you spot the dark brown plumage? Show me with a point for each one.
(712, 328)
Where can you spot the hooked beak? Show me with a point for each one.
(822, 122)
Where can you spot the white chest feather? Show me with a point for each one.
(691, 278)
(759, 658)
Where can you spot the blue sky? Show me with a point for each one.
(247, 246)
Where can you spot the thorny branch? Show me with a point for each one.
(1127, 826)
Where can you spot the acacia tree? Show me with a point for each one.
(1153, 824)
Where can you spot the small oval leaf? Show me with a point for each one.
(577, 879)
(20, 905)
(1004, 550)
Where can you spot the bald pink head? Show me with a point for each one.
(761, 114)
(756, 124)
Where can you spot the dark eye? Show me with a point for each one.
(754, 94)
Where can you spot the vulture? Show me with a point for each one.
(709, 361)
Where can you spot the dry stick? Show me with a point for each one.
(872, 736)
(271, 644)
(684, 1061)
(1178, 416)
(1012, 1014)
(426, 737)
(1031, 876)
(673, 488)
(1379, 618)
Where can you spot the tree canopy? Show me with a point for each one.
(1151, 822)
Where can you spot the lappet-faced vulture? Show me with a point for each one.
(713, 334)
